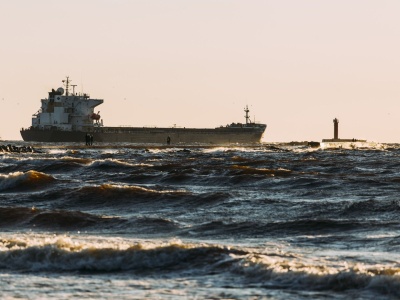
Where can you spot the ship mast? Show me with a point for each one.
(66, 85)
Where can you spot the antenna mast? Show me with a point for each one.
(66, 85)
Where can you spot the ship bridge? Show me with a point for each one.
(67, 111)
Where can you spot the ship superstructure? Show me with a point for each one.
(68, 117)
(67, 111)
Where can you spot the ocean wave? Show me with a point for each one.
(111, 196)
(372, 206)
(143, 215)
(53, 219)
(109, 163)
(63, 165)
(297, 274)
(114, 190)
(166, 167)
(251, 161)
(67, 163)
(11, 216)
(245, 170)
(62, 254)
(233, 149)
(61, 220)
(79, 160)
(153, 225)
(49, 164)
(29, 180)
(225, 229)
(251, 267)
(361, 146)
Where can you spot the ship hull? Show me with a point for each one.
(223, 135)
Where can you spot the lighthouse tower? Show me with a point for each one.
(336, 135)
(335, 129)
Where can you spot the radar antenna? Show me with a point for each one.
(73, 88)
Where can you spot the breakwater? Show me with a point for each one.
(17, 149)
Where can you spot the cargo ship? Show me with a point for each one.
(69, 117)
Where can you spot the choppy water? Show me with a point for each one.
(273, 222)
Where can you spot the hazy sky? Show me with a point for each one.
(298, 64)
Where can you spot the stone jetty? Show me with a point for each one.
(15, 149)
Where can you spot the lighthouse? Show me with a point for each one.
(336, 135)
(335, 129)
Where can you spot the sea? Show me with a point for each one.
(267, 221)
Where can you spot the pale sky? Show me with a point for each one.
(298, 64)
